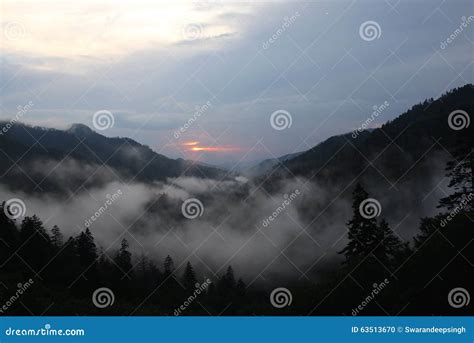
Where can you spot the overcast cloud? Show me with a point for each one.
(152, 63)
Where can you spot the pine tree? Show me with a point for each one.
(362, 231)
(147, 274)
(123, 271)
(142, 270)
(368, 239)
(36, 248)
(107, 268)
(9, 240)
(154, 272)
(56, 237)
(241, 288)
(391, 247)
(460, 170)
(189, 277)
(226, 283)
(86, 249)
(124, 259)
(87, 258)
(66, 264)
(171, 288)
(168, 266)
(32, 226)
(229, 277)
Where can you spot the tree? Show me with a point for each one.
(169, 266)
(107, 269)
(229, 277)
(56, 237)
(87, 258)
(35, 243)
(65, 267)
(226, 284)
(86, 249)
(148, 274)
(32, 226)
(460, 170)
(391, 247)
(369, 240)
(124, 259)
(362, 231)
(9, 239)
(241, 288)
(171, 290)
(189, 277)
(124, 270)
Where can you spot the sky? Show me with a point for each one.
(229, 81)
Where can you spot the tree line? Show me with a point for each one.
(76, 266)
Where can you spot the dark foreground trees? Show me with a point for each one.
(67, 272)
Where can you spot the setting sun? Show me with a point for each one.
(214, 149)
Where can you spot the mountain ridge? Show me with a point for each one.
(23, 147)
(338, 157)
(424, 126)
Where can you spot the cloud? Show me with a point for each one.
(133, 60)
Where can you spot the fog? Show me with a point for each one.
(301, 240)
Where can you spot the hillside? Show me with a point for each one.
(37, 158)
(389, 153)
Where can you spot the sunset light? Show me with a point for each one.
(214, 149)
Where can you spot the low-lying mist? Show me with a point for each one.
(293, 233)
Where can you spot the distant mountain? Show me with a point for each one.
(41, 159)
(37, 158)
(254, 168)
(266, 165)
(387, 154)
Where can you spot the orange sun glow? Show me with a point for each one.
(193, 146)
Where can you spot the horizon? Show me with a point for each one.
(232, 164)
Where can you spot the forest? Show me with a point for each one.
(381, 274)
